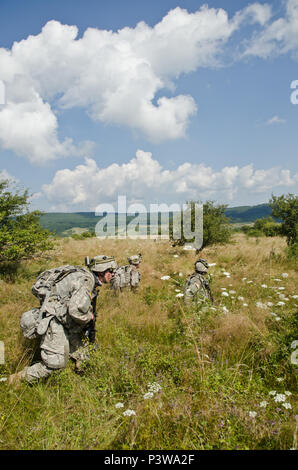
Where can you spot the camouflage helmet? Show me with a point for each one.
(101, 263)
(135, 259)
(201, 266)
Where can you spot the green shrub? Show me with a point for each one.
(216, 227)
(21, 235)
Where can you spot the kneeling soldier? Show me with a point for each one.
(128, 276)
(66, 315)
(197, 287)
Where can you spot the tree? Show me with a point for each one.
(215, 225)
(21, 235)
(285, 208)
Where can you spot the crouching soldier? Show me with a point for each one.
(128, 276)
(66, 316)
(197, 287)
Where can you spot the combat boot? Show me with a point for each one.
(16, 379)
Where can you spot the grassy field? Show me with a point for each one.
(220, 379)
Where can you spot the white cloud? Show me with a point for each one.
(275, 120)
(4, 175)
(114, 76)
(278, 37)
(143, 178)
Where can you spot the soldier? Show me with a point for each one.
(197, 287)
(128, 276)
(66, 315)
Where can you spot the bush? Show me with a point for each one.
(215, 225)
(82, 236)
(21, 235)
(265, 226)
(286, 209)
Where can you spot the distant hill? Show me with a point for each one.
(62, 223)
(248, 213)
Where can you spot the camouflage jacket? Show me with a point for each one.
(197, 289)
(126, 276)
(71, 299)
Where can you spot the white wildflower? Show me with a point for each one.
(270, 304)
(273, 314)
(277, 318)
(279, 397)
(181, 274)
(281, 288)
(245, 305)
(277, 280)
(264, 286)
(272, 392)
(288, 393)
(154, 387)
(212, 264)
(263, 404)
(225, 273)
(249, 282)
(244, 279)
(119, 405)
(129, 413)
(3, 379)
(177, 290)
(225, 294)
(284, 275)
(288, 406)
(280, 379)
(261, 305)
(280, 303)
(232, 292)
(252, 414)
(165, 278)
(240, 298)
(148, 395)
(176, 256)
(223, 288)
(294, 296)
(180, 295)
(225, 309)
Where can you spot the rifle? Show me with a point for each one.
(208, 289)
(90, 328)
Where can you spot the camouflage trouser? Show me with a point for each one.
(57, 346)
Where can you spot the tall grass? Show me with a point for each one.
(214, 367)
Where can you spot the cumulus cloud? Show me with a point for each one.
(4, 175)
(114, 76)
(278, 37)
(143, 178)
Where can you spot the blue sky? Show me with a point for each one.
(191, 103)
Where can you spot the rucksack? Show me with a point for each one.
(48, 279)
(122, 277)
(35, 322)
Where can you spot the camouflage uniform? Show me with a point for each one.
(61, 322)
(127, 276)
(197, 287)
